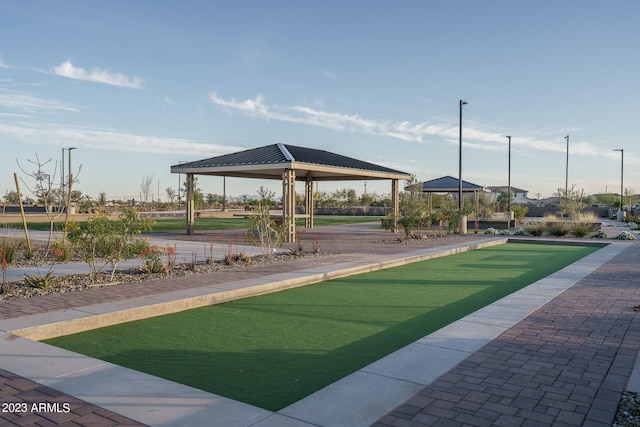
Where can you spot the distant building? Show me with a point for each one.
(518, 195)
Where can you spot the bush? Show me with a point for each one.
(153, 263)
(538, 228)
(491, 230)
(40, 281)
(579, 229)
(625, 235)
(557, 228)
(600, 234)
(106, 242)
(62, 250)
(9, 246)
(520, 232)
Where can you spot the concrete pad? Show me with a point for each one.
(357, 400)
(634, 381)
(498, 314)
(154, 401)
(41, 362)
(417, 363)
(279, 420)
(463, 336)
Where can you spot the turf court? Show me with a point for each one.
(275, 349)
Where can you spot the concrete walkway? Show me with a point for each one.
(530, 357)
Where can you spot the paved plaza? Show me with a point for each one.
(559, 352)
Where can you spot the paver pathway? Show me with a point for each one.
(566, 364)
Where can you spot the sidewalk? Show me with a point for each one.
(513, 362)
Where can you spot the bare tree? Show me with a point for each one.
(46, 189)
(171, 195)
(145, 187)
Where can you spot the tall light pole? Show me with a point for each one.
(62, 184)
(66, 216)
(460, 160)
(566, 177)
(621, 150)
(509, 178)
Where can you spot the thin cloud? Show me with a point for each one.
(28, 103)
(97, 75)
(2, 63)
(473, 135)
(107, 139)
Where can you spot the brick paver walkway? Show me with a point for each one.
(567, 364)
(19, 395)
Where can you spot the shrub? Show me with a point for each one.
(231, 259)
(600, 234)
(40, 281)
(538, 228)
(491, 230)
(625, 235)
(520, 232)
(557, 228)
(579, 229)
(4, 266)
(153, 263)
(62, 250)
(106, 242)
(9, 246)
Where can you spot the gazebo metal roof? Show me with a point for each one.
(288, 163)
(269, 161)
(449, 184)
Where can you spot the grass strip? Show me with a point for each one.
(174, 225)
(273, 350)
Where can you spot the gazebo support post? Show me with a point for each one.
(289, 204)
(395, 203)
(190, 205)
(308, 203)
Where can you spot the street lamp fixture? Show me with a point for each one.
(620, 212)
(460, 160)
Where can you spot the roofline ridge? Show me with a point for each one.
(285, 152)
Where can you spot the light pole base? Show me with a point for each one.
(462, 226)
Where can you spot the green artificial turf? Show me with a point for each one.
(171, 225)
(275, 349)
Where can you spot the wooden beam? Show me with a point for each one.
(395, 203)
(308, 203)
(289, 204)
(190, 205)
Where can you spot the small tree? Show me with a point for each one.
(519, 211)
(263, 229)
(11, 197)
(449, 210)
(171, 195)
(413, 210)
(502, 200)
(571, 201)
(107, 242)
(198, 195)
(46, 189)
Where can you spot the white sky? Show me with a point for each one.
(137, 86)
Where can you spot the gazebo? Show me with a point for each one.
(450, 185)
(288, 163)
